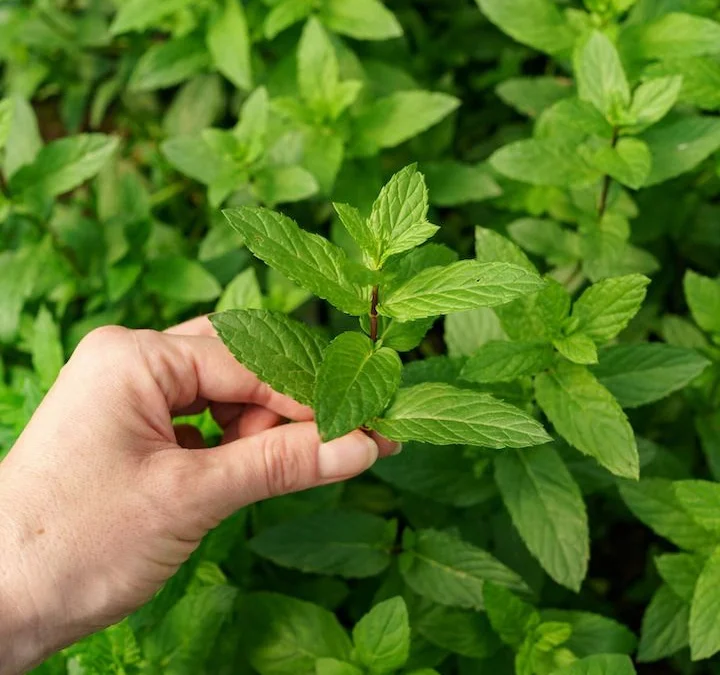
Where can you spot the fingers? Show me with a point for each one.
(387, 448)
(199, 326)
(285, 459)
(253, 420)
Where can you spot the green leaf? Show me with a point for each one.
(284, 14)
(47, 349)
(193, 156)
(382, 637)
(243, 292)
(601, 79)
(318, 68)
(537, 23)
(578, 348)
(676, 35)
(705, 611)
(181, 279)
(398, 218)
(599, 664)
(593, 633)
(703, 297)
(664, 626)
(654, 99)
(229, 44)
(629, 162)
(531, 95)
(466, 332)
(573, 119)
(359, 229)
(360, 19)
(139, 14)
(251, 129)
(452, 183)
(640, 374)
(285, 636)
(653, 502)
(499, 361)
(700, 79)
(461, 631)
(442, 414)
(493, 247)
(355, 383)
(64, 164)
(449, 571)
(335, 667)
(23, 141)
(605, 308)
(404, 267)
(281, 184)
(449, 476)
(588, 417)
(348, 544)
(169, 63)
(680, 571)
(463, 285)
(548, 511)
(701, 499)
(544, 161)
(396, 118)
(511, 618)
(281, 351)
(679, 146)
(546, 238)
(309, 260)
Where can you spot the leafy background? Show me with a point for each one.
(585, 133)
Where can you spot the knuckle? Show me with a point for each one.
(283, 466)
(104, 339)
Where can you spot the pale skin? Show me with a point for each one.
(103, 498)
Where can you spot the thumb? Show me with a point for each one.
(285, 459)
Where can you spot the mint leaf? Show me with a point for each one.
(593, 633)
(47, 349)
(285, 636)
(404, 267)
(654, 99)
(280, 351)
(537, 23)
(449, 571)
(466, 332)
(588, 417)
(181, 279)
(532, 95)
(548, 511)
(382, 637)
(23, 140)
(229, 43)
(284, 14)
(544, 161)
(359, 229)
(394, 119)
(499, 361)
(680, 571)
(335, 667)
(169, 63)
(705, 611)
(449, 476)
(653, 501)
(640, 374)
(510, 617)
(360, 19)
(701, 499)
(139, 14)
(457, 287)
(398, 218)
(676, 35)
(578, 348)
(460, 631)
(664, 626)
(345, 543)
(442, 414)
(539, 316)
(243, 292)
(629, 162)
(680, 145)
(493, 247)
(601, 79)
(305, 258)
(355, 383)
(703, 297)
(600, 664)
(453, 183)
(64, 164)
(605, 308)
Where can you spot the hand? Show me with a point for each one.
(103, 499)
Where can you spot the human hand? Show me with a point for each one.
(103, 499)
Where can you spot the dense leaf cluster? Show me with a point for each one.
(487, 229)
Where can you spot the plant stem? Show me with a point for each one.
(374, 314)
(602, 206)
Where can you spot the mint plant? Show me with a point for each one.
(352, 380)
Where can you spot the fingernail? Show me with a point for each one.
(346, 456)
(397, 450)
